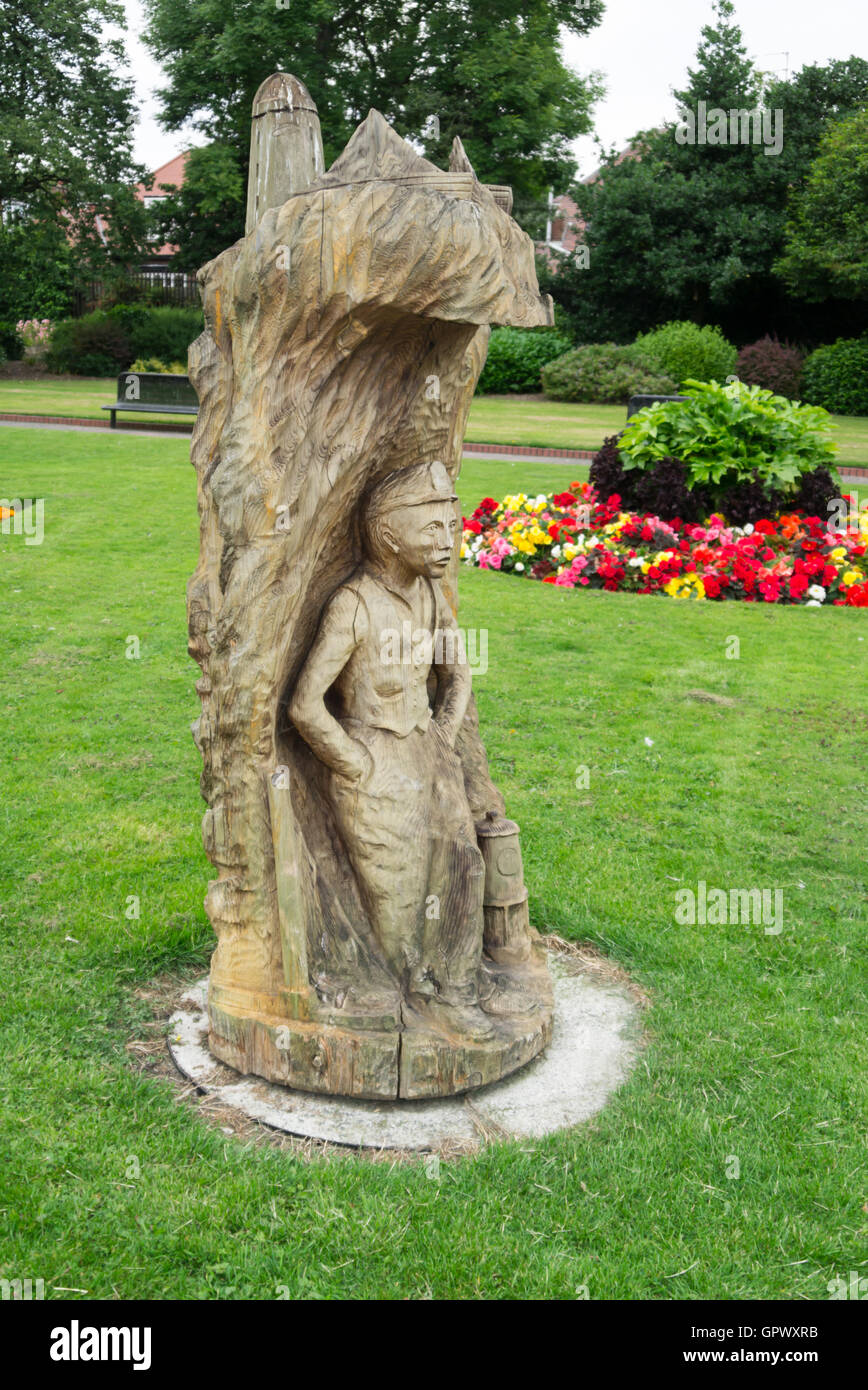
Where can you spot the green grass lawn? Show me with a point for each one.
(81, 396)
(112, 1185)
(530, 420)
(535, 421)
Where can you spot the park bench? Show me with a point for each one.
(639, 402)
(162, 393)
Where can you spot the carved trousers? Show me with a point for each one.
(410, 838)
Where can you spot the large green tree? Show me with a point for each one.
(827, 237)
(490, 71)
(690, 230)
(66, 169)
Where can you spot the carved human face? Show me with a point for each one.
(424, 537)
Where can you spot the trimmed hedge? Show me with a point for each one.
(108, 340)
(516, 357)
(605, 373)
(836, 377)
(684, 350)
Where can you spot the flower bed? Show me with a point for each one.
(573, 539)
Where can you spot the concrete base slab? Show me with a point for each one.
(595, 1044)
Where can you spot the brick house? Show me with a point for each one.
(154, 191)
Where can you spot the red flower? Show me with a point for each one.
(765, 528)
(798, 585)
(473, 526)
(563, 499)
(770, 589)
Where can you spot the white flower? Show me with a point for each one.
(519, 567)
(649, 742)
(556, 551)
(817, 591)
(748, 529)
(635, 561)
(813, 603)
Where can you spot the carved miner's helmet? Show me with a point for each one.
(421, 484)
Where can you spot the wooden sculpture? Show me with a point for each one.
(371, 916)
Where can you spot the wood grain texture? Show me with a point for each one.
(344, 337)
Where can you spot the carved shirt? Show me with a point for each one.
(393, 641)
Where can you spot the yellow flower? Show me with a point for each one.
(539, 536)
(515, 504)
(851, 577)
(685, 586)
(570, 551)
(838, 553)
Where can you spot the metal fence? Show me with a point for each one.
(156, 286)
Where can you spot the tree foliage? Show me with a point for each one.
(693, 230)
(206, 214)
(66, 124)
(491, 72)
(827, 236)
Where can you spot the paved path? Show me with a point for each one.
(514, 453)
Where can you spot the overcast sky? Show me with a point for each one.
(643, 48)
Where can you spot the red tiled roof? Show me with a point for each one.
(169, 173)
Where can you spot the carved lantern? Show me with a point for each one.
(507, 924)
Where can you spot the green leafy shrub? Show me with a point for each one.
(516, 357)
(772, 364)
(662, 490)
(836, 377)
(604, 372)
(156, 364)
(730, 436)
(96, 344)
(166, 332)
(685, 351)
(107, 341)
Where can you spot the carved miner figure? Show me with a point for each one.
(397, 788)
